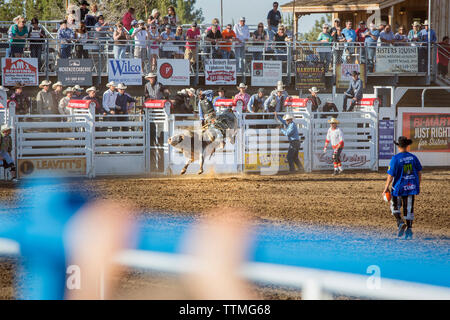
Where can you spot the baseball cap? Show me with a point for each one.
(134, 22)
(194, 24)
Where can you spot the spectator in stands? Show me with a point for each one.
(414, 33)
(36, 35)
(333, 31)
(65, 36)
(72, 20)
(361, 32)
(3, 97)
(44, 99)
(423, 50)
(57, 91)
(155, 90)
(216, 22)
(221, 95)
(242, 95)
(109, 98)
(242, 35)
(92, 96)
(94, 11)
(400, 37)
(5, 150)
(81, 36)
(275, 102)
(192, 36)
(442, 57)
(259, 38)
(64, 102)
(370, 43)
(280, 47)
(350, 39)
(140, 36)
(213, 36)
(229, 36)
(123, 102)
(10, 36)
(256, 102)
(154, 18)
(325, 38)
(273, 20)
(339, 46)
(314, 98)
(387, 36)
(127, 18)
(164, 22)
(354, 92)
(102, 28)
(84, 9)
(120, 37)
(172, 15)
(19, 33)
(179, 37)
(153, 47)
(166, 36)
(23, 105)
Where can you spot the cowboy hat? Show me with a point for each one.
(280, 83)
(18, 86)
(5, 127)
(403, 142)
(91, 89)
(141, 22)
(77, 88)
(121, 86)
(425, 23)
(261, 90)
(333, 120)
(45, 83)
(313, 89)
(416, 24)
(150, 75)
(68, 89)
(59, 83)
(2, 88)
(288, 117)
(191, 91)
(242, 86)
(111, 84)
(280, 87)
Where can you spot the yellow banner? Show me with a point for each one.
(52, 167)
(276, 161)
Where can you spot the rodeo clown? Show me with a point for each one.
(336, 138)
(405, 174)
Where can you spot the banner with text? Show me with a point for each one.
(220, 72)
(309, 74)
(344, 74)
(67, 167)
(349, 159)
(173, 72)
(396, 59)
(267, 161)
(75, 71)
(20, 70)
(386, 137)
(127, 71)
(266, 73)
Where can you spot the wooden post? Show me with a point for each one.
(391, 16)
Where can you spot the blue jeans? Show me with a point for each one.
(66, 51)
(120, 52)
(239, 52)
(225, 54)
(5, 155)
(272, 32)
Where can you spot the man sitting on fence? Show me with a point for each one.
(57, 91)
(153, 89)
(314, 98)
(256, 102)
(44, 99)
(354, 92)
(275, 103)
(5, 150)
(92, 96)
(64, 102)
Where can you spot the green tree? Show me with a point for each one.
(10, 9)
(45, 9)
(316, 30)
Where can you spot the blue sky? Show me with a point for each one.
(254, 11)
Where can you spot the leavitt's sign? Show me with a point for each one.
(67, 167)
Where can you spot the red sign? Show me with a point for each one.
(221, 75)
(166, 70)
(157, 104)
(225, 103)
(369, 102)
(80, 104)
(20, 70)
(296, 102)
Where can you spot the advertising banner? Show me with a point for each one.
(309, 74)
(266, 73)
(173, 72)
(75, 71)
(396, 59)
(72, 167)
(349, 159)
(276, 161)
(127, 71)
(220, 72)
(20, 70)
(386, 137)
(344, 74)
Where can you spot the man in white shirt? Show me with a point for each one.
(242, 35)
(109, 98)
(140, 36)
(336, 138)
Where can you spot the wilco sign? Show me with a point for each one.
(74, 167)
(351, 159)
(127, 71)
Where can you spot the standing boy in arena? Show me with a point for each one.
(405, 172)
(336, 137)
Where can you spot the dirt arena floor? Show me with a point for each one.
(351, 200)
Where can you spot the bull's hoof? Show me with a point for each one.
(200, 171)
(183, 171)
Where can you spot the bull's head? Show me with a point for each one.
(176, 139)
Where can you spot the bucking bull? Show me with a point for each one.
(199, 144)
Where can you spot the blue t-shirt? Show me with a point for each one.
(405, 167)
(349, 34)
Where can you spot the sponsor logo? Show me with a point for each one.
(166, 70)
(221, 76)
(123, 67)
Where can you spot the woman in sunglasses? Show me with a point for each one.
(259, 38)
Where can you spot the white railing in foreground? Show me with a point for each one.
(315, 284)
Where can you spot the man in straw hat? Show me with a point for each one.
(242, 95)
(153, 89)
(3, 96)
(23, 105)
(109, 98)
(5, 150)
(314, 98)
(405, 174)
(64, 102)
(290, 130)
(336, 138)
(354, 92)
(275, 103)
(44, 99)
(92, 96)
(123, 102)
(57, 91)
